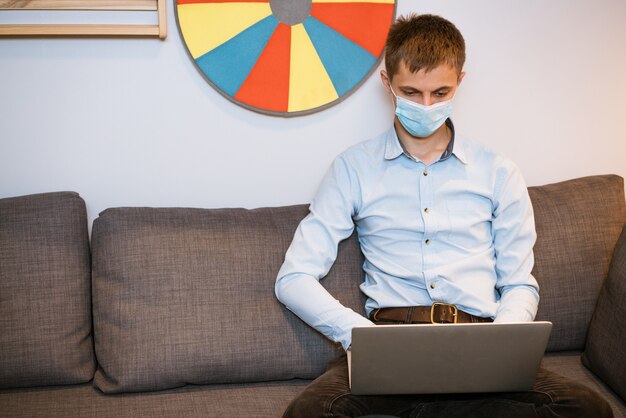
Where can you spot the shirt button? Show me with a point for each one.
(427, 241)
(432, 285)
(425, 172)
(426, 210)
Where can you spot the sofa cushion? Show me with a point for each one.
(45, 311)
(578, 223)
(568, 364)
(256, 400)
(187, 296)
(605, 352)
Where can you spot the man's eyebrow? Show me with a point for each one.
(405, 88)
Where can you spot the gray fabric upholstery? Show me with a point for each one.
(240, 400)
(605, 352)
(569, 364)
(255, 400)
(187, 296)
(45, 312)
(578, 223)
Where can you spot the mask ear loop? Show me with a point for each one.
(394, 103)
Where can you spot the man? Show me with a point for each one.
(439, 219)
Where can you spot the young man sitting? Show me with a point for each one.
(439, 219)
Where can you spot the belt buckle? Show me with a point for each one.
(432, 312)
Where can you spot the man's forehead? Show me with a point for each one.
(444, 67)
(441, 76)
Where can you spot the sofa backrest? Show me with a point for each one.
(578, 223)
(187, 296)
(45, 304)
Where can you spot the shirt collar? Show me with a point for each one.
(394, 148)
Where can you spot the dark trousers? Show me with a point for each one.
(552, 396)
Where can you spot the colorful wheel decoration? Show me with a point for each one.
(285, 57)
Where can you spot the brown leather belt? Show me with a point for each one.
(438, 313)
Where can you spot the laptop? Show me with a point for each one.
(446, 358)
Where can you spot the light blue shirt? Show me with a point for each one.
(459, 230)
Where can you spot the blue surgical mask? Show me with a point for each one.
(420, 120)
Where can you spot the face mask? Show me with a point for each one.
(419, 120)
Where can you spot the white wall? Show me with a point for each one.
(131, 122)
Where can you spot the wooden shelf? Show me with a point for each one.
(158, 6)
(78, 4)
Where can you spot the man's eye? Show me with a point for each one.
(441, 94)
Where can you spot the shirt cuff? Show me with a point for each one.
(518, 304)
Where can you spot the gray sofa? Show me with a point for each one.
(171, 311)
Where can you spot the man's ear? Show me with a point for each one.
(386, 81)
(461, 75)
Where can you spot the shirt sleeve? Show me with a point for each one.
(514, 237)
(313, 252)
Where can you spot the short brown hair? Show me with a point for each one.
(423, 42)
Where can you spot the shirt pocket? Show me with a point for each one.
(470, 222)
